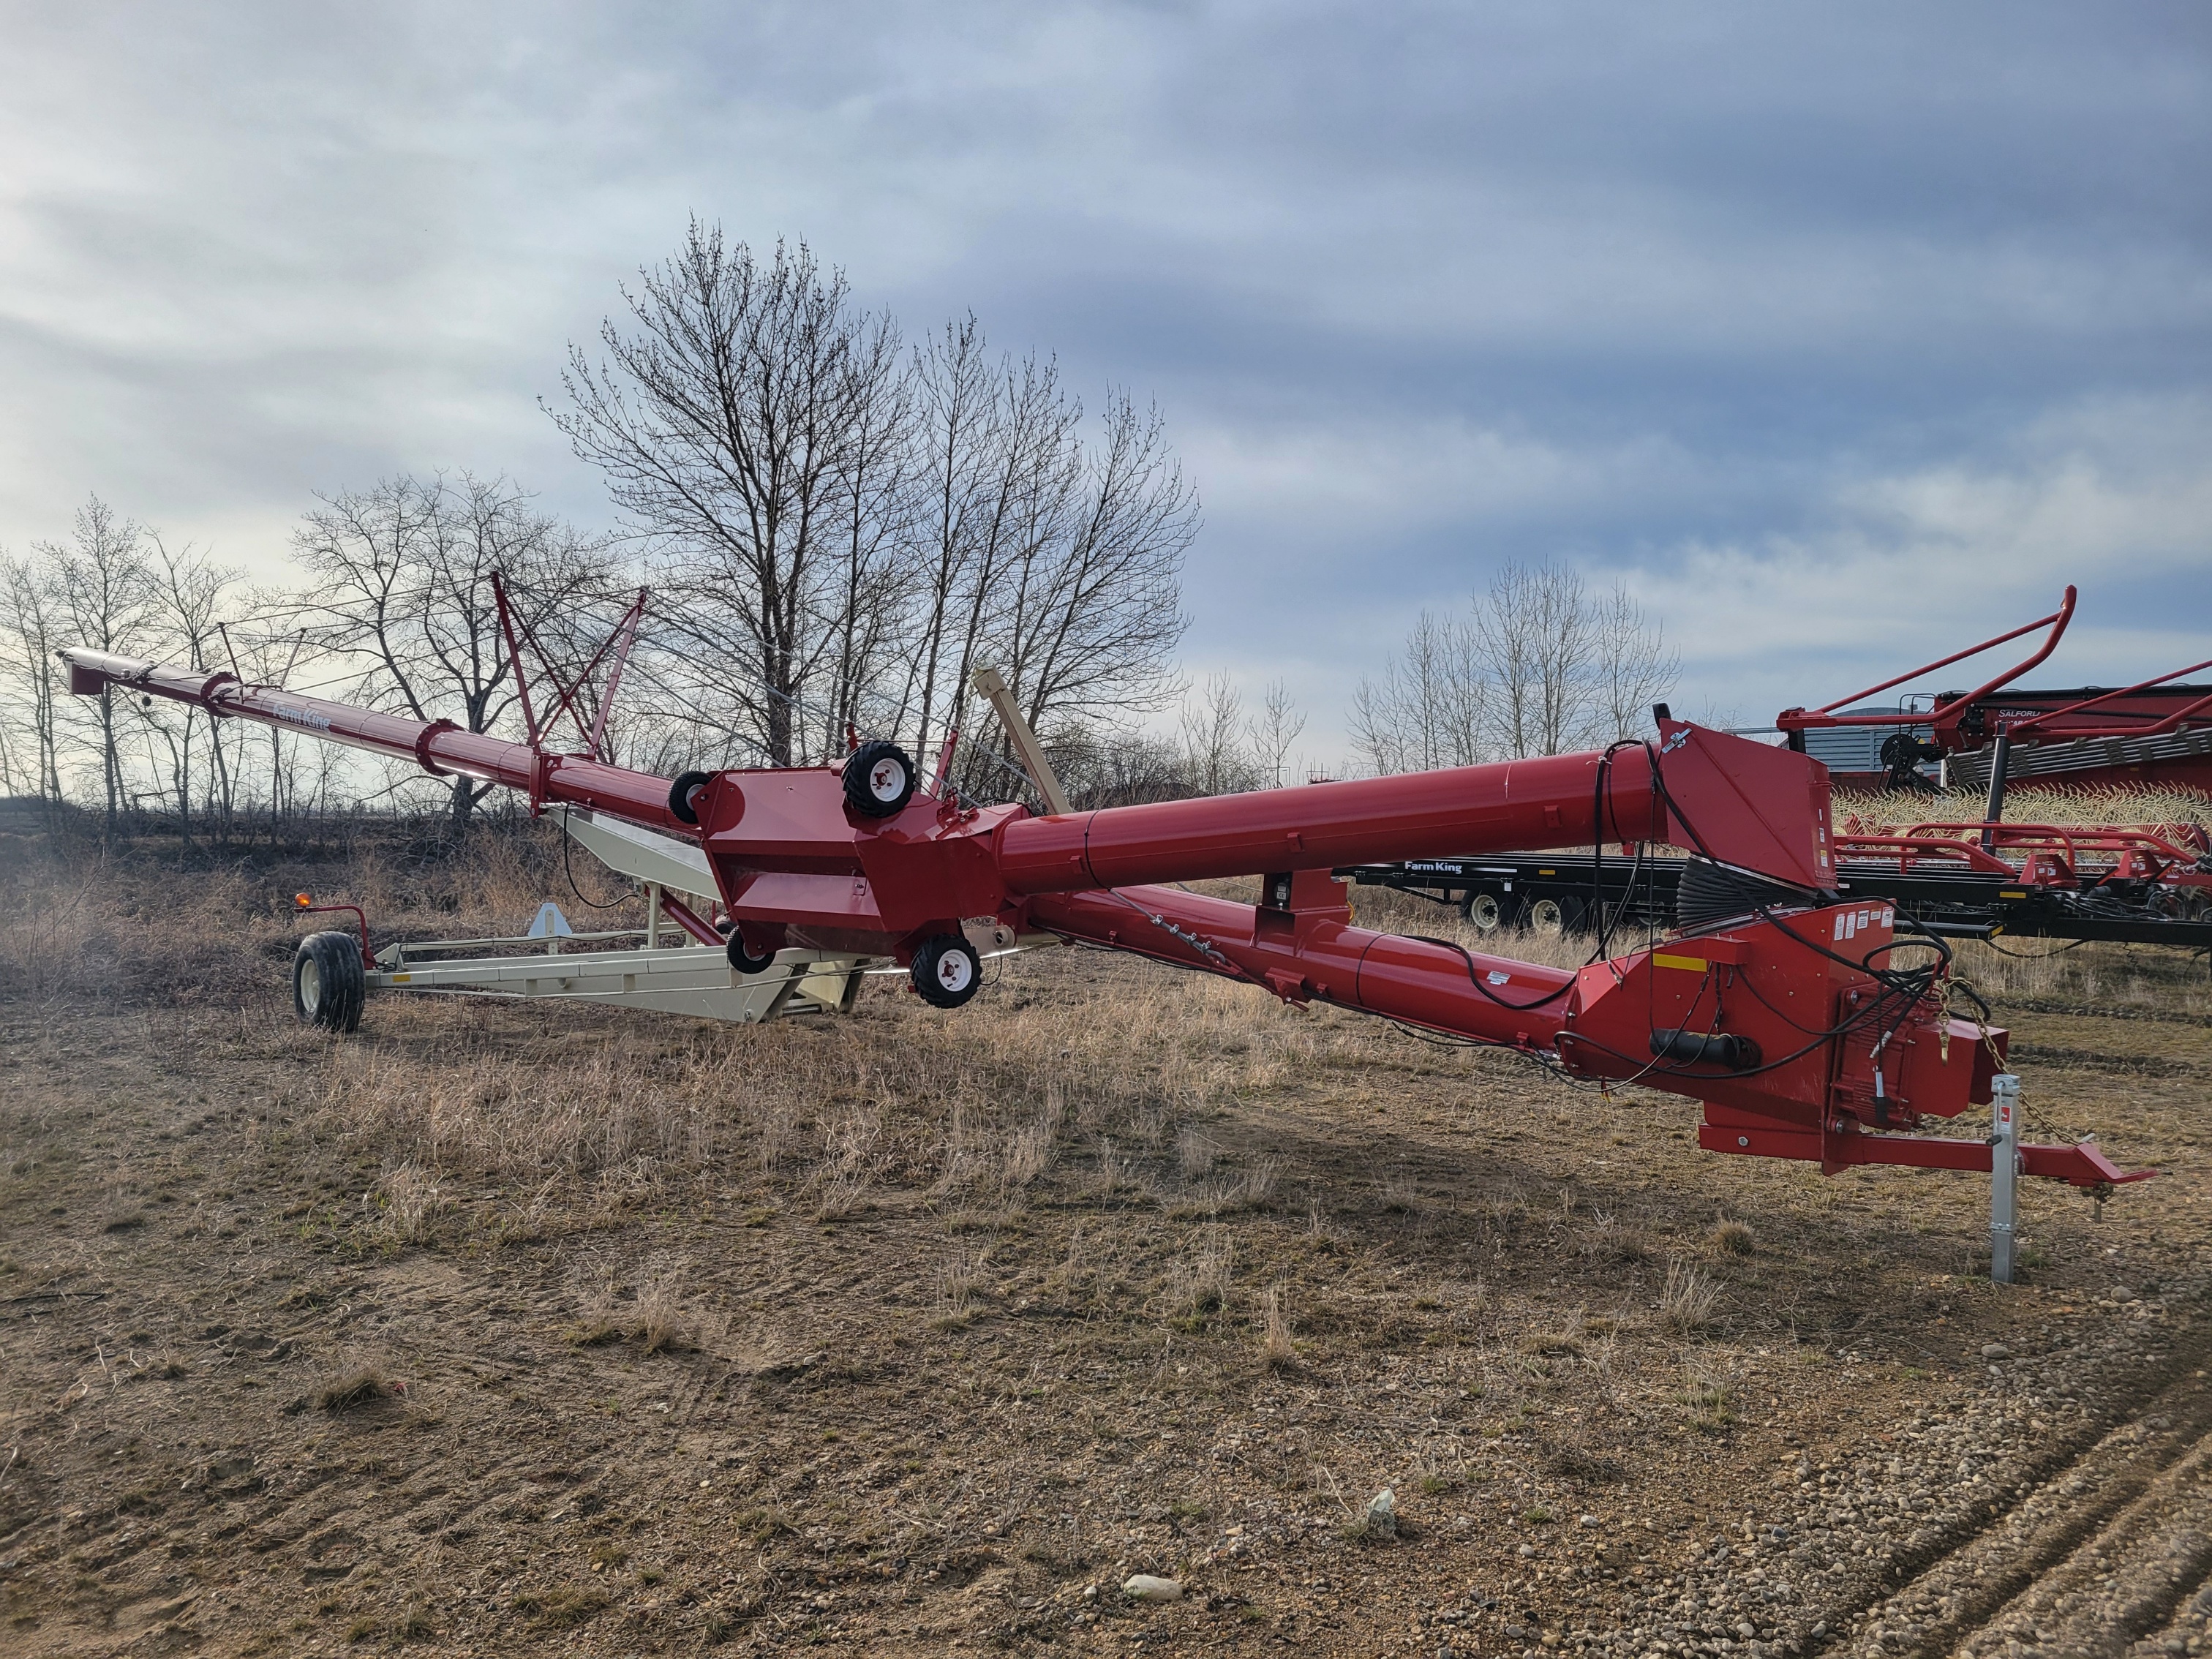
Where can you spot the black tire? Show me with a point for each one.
(879, 778)
(679, 795)
(946, 971)
(742, 957)
(329, 982)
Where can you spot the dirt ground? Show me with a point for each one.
(506, 1328)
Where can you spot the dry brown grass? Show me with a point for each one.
(591, 1122)
(1276, 1346)
(354, 1384)
(656, 1311)
(903, 1277)
(660, 1315)
(1199, 1278)
(1197, 1153)
(1689, 1299)
(1393, 912)
(406, 1201)
(1034, 1145)
(1733, 1238)
(957, 1281)
(1397, 1194)
(599, 1117)
(1254, 1189)
(2042, 974)
(191, 927)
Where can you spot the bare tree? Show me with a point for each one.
(1276, 726)
(30, 604)
(1538, 667)
(404, 582)
(953, 436)
(1030, 493)
(1378, 736)
(876, 513)
(1213, 723)
(1566, 648)
(724, 420)
(1094, 613)
(1117, 768)
(109, 596)
(1633, 665)
(849, 531)
(266, 653)
(1538, 638)
(1431, 707)
(189, 590)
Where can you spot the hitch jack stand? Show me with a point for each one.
(2004, 1174)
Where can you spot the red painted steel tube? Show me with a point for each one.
(438, 747)
(1908, 850)
(1547, 802)
(1946, 840)
(1745, 804)
(1317, 957)
(2027, 730)
(1314, 956)
(2081, 1164)
(1799, 719)
(688, 919)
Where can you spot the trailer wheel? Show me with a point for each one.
(679, 795)
(1481, 909)
(741, 955)
(1558, 916)
(946, 971)
(328, 984)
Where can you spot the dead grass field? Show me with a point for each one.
(508, 1328)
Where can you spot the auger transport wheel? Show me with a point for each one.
(328, 984)
(743, 958)
(946, 971)
(879, 778)
(681, 806)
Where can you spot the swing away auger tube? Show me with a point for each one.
(1809, 1028)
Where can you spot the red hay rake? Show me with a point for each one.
(2153, 732)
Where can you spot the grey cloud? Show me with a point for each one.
(1716, 296)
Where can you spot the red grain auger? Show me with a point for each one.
(1809, 1028)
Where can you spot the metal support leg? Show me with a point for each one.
(2000, 765)
(2004, 1174)
(653, 915)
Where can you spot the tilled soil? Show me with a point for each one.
(283, 1373)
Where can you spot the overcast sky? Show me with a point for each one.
(1845, 334)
